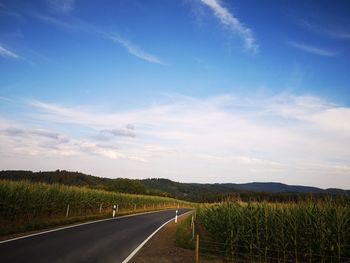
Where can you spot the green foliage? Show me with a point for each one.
(310, 231)
(24, 202)
(120, 185)
(183, 234)
(185, 191)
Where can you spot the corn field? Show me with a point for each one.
(23, 201)
(309, 231)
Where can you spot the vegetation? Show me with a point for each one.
(183, 234)
(79, 179)
(24, 202)
(271, 192)
(310, 231)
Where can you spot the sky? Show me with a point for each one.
(202, 91)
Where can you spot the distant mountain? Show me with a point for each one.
(193, 190)
(269, 191)
(272, 187)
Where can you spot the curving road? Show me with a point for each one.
(105, 241)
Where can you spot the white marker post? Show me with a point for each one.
(67, 211)
(176, 216)
(114, 209)
(192, 227)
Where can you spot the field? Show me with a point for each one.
(309, 231)
(27, 206)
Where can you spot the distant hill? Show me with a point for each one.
(194, 190)
(123, 185)
(269, 191)
(281, 188)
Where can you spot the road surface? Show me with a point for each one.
(106, 241)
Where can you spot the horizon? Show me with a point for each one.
(162, 178)
(212, 91)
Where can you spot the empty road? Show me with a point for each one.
(106, 241)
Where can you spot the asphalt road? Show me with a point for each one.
(106, 241)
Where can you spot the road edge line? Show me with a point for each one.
(132, 254)
(80, 224)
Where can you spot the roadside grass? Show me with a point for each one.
(27, 206)
(183, 234)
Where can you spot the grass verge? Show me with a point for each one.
(183, 234)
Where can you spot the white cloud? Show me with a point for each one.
(73, 23)
(62, 6)
(7, 53)
(312, 49)
(136, 51)
(118, 132)
(62, 24)
(327, 31)
(231, 22)
(340, 34)
(287, 138)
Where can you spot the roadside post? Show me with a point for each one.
(67, 211)
(192, 227)
(176, 216)
(197, 249)
(114, 209)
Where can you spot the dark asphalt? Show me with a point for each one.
(107, 241)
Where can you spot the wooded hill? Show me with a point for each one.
(185, 191)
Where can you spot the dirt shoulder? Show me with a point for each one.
(161, 249)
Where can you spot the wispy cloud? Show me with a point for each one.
(62, 24)
(76, 24)
(232, 22)
(62, 6)
(136, 51)
(126, 132)
(224, 138)
(7, 53)
(340, 34)
(19, 132)
(288, 138)
(312, 49)
(327, 31)
(8, 12)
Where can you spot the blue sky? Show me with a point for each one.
(192, 90)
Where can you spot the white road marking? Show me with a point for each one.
(76, 225)
(148, 238)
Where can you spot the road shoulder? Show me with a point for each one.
(161, 248)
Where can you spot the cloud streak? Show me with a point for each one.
(18, 132)
(324, 30)
(312, 49)
(76, 24)
(7, 53)
(62, 6)
(232, 23)
(136, 51)
(127, 132)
